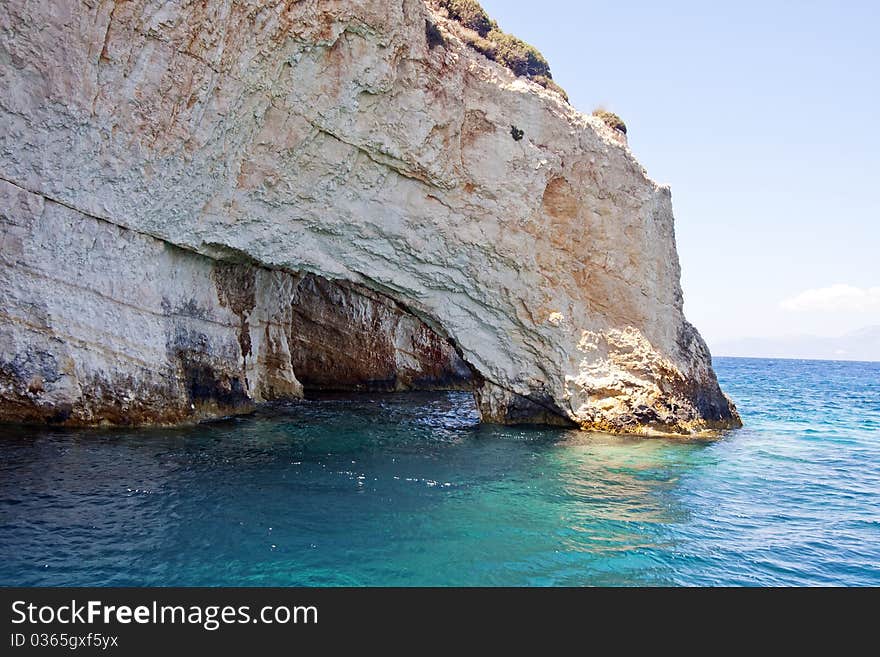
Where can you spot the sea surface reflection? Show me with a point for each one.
(410, 489)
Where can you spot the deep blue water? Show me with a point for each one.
(410, 490)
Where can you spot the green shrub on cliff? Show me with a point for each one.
(470, 14)
(518, 56)
(480, 44)
(483, 35)
(611, 119)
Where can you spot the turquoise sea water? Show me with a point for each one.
(409, 489)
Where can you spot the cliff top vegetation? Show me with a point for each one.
(611, 119)
(476, 29)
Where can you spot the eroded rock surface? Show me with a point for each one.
(103, 325)
(324, 138)
(346, 337)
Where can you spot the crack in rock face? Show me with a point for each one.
(207, 206)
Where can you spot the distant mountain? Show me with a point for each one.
(863, 344)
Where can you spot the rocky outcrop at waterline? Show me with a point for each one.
(209, 205)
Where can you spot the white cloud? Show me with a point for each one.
(835, 298)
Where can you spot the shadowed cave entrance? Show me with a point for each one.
(347, 338)
(155, 334)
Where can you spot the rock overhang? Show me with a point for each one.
(333, 140)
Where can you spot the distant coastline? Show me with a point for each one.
(791, 359)
(860, 346)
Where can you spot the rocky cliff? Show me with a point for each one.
(207, 205)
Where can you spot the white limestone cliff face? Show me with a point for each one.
(103, 325)
(327, 138)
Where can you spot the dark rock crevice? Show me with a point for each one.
(345, 337)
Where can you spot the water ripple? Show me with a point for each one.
(410, 489)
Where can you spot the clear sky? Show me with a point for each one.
(764, 117)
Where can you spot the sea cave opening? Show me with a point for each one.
(346, 338)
